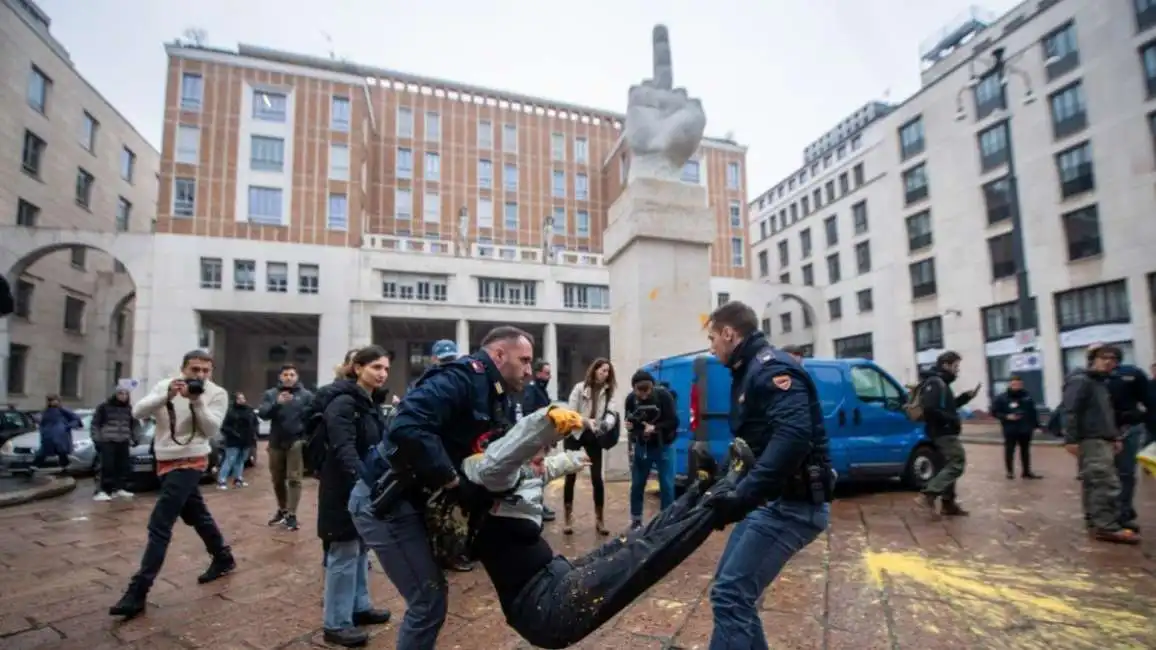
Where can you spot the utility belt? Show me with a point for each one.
(395, 481)
(813, 483)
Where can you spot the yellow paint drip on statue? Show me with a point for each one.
(653, 294)
(984, 591)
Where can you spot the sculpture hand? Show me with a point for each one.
(663, 126)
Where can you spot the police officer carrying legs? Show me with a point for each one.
(782, 504)
(1128, 386)
(448, 415)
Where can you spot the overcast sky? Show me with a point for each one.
(775, 73)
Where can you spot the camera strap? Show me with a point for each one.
(172, 413)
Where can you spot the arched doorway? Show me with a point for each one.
(789, 317)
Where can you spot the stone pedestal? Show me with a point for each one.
(657, 245)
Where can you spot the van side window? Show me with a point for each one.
(872, 387)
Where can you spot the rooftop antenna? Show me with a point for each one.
(329, 41)
(196, 36)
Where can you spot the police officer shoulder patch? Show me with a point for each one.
(782, 382)
(477, 366)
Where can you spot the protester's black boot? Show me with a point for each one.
(349, 637)
(222, 565)
(132, 603)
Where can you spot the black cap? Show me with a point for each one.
(640, 377)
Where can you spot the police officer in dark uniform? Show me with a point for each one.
(448, 415)
(1128, 386)
(783, 504)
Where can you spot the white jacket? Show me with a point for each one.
(581, 401)
(198, 421)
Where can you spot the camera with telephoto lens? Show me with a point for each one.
(195, 386)
(642, 414)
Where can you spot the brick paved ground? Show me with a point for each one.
(1019, 573)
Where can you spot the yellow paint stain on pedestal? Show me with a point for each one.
(653, 295)
(1080, 602)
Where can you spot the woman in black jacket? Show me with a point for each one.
(353, 424)
(240, 433)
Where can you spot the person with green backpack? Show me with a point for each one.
(938, 406)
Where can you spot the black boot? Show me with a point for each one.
(278, 517)
(371, 617)
(349, 637)
(132, 603)
(221, 566)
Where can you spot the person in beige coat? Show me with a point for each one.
(590, 398)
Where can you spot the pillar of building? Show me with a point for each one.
(550, 355)
(462, 336)
(657, 245)
(5, 347)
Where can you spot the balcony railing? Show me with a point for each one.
(506, 252)
(398, 244)
(502, 252)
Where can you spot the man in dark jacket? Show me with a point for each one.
(1091, 435)
(941, 413)
(535, 396)
(1016, 412)
(284, 407)
(652, 423)
(114, 432)
(1128, 386)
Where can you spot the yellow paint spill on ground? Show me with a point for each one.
(1090, 610)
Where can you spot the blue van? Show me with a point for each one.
(871, 436)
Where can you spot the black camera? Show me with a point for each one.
(195, 386)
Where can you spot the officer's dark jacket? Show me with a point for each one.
(534, 397)
(1019, 403)
(1087, 408)
(940, 403)
(447, 416)
(775, 409)
(1128, 386)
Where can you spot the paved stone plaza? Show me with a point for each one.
(1019, 573)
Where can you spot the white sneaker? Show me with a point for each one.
(101, 496)
(222, 486)
(123, 494)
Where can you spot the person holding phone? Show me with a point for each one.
(941, 414)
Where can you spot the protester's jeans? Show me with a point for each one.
(403, 550)
(346, 583)
(233, 466)
(179, 498)
(758, 549)
(660, 458)
(1126, 468)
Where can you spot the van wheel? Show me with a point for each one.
(925, 461)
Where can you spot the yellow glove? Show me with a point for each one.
(564, 420)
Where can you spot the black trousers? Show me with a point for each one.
(180, 498)
(115, 465)
(1022, 441)
(568, 599)
(588, 444)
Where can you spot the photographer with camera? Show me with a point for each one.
(188, 410)
(284, 406)
(652, 425)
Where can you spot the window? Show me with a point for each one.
(1145, 14)
(88, 129)
(861, 346)
(690, 172)
(123, 214)
(844, 186)
(433, 124)
(806, 206)
(188, 144)
(764, 264)
(997, 198)
(73, 315)
(1002, 321)
(1095, 305)
(406, 123)
(338, 217)
(733, 181)
(831, 229)
(431, 207)
(402, 204)
(17, 366)
(558, 184)
(859, 217)
(865, 301)
(817, 198)
(265, 205)
(766, 326)
(919, 231)
(1069, 115)
(127, 164)
(581, 151)
(79, 257)
(794, 212)
(808, 276)
(737, 252)
(558, 147)
(276, 277)
(27, 214)
(915, 184)
(1003, 263)
(1148, 59)
(830, 189)
(485, 134)
(308, 278)
(269, 106)
(184, 197)
(582, 223)
(510, 138)
(993, 147)
(1075, 168)
(736, 214)
(585, 296)
(510, 216)
(785, 323)
(785, 278)
(244, 275)
(70, 375)
(1061, 52)
(835, 308)
(339, 113)
(22, 299)
(408, 286)
(485, 213)
(928, 333)
(38, 87)
(510, 177)
(84, 183)
(339, 162)
(192, 92)
(1082, 231)
(923, 278)
(507, 292)
(33, 153)
(989, 96)
(433, 166)
(863, 257)
(581, 187)
(805, 243)
(267, 154)
(211, 272)
(834, 270)
(784, 254)
(722, 298)
(485, 174)
(857, 174)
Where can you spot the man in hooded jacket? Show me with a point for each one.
(941, 413)
(114, 431)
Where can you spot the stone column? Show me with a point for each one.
(657, 245)
(462, 336)
(550, 355)
(5, 347)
